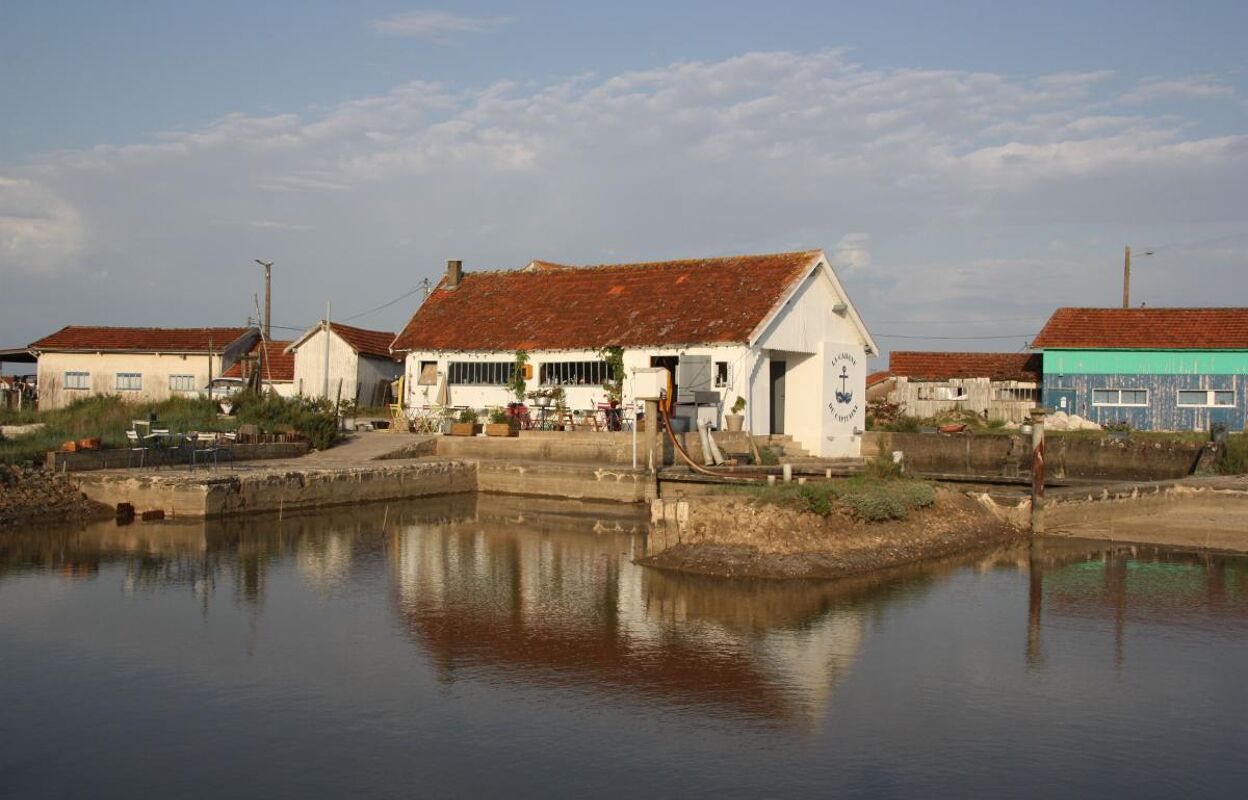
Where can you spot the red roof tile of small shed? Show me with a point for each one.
(154, 340)
(933, 366)
(280, 364)
(878, 377)
(364, 341)
(697, 301)
(1146, 329)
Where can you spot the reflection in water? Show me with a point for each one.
(472, 646)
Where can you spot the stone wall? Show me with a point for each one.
(29, 494)
(1079, 457)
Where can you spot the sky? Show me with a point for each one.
(968, 167)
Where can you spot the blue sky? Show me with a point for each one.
(963, 164)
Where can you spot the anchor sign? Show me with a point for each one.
(843, 395)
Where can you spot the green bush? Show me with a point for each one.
(314, 419)
(1233, 460)
(866, 498)
(768, 456)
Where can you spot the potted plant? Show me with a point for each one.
(561, 406)
(500, 424)
(735, 420)
(467, 425)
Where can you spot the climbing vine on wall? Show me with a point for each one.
(518, 384)
(613, 355)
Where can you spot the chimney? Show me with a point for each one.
(454, 274)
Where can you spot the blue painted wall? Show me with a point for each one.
(1162, 413)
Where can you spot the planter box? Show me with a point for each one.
(734, 422)
(465, 429)
(501, 429)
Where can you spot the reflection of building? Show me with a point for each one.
(535, 593)
(1132, 585)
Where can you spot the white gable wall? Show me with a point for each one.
(310, 366)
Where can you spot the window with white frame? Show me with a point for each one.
(480, 373)
(1203, 398)
(129, 381)
(77, 380)
(575, 373)
(722, 376)
(181, 383)
(1119, 397)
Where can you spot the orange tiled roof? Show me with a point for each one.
(933, 366)
(364, 341)
(878, 377)
(696, 301)
(279, 366)
(1146, 328)
(153, 340)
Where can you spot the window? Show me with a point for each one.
(428, 373)
(1119, 397)
(181, 383)
(721, 374)
(129, 381)
(1201, 397)
(77, 380)
(576, 373)
(926, 392)
(1016, 394)
(481, 373)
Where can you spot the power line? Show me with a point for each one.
(955, 321)
(953, 338)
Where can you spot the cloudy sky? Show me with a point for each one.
(967, 168)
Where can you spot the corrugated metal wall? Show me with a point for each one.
(1163, 412)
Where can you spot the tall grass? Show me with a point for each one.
(1233, 459)
(867, 498)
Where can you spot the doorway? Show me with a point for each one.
(668, 363)
(778, 369)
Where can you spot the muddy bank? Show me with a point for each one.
(35, 495)
(732, 537)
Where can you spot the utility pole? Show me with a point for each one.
(1126, 278)
(1126, 275)
(268, 297)
(325, 387)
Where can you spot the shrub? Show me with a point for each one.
(468, 416)
(498, 416)
(311, 418)
(768, 456)
(868, 499)
(1233, 460)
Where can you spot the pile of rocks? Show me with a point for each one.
(1061, 421)
(28, 494)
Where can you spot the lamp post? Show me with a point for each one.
(1126, 275)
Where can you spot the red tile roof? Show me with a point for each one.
(1146, 329)
(932, 366)
(878, 377)
(147, 340)
(364, 341)
(279, 366)
(698, 301)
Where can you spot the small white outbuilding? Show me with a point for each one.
(360, 364)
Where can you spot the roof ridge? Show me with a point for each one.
(555, 267)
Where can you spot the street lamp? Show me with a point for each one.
(1126, 276)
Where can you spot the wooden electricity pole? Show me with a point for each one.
(1126, 278)
(268, 296)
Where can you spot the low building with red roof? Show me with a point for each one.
(147, 364)
(997, 386)
(1151, 368)
(361, 366)
(777, 330)
(268, 365)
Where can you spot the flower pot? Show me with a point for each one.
(90, 443)
(543, 402)
(465, 429)
(734, 422)
(500, 429)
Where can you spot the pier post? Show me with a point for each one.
(652, 435)
(1037, 470)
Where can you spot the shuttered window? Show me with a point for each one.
(181, 383)
(129, 381)
(77, 380)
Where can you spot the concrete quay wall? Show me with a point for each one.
(567, 481)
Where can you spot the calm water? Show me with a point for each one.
(505, 647)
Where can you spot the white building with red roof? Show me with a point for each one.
(360, 364)
(778, 330)
(139, 364)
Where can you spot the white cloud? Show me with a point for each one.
(1193, 87)
(852, 252)
(758, 152)
(39, 232)
(434, 26)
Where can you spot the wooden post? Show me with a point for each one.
(1037, 470)
(652, 436)
(1126, 278)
